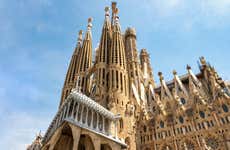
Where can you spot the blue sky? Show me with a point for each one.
(37, 38)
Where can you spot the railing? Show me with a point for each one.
(85, 113)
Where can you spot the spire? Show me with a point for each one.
(105, 41)
(117, 27)
(179, 85)
(117, 55)
(117, 72)
(132, 59)
(70, 79)
(88, 35)
(107, 11)
(196, 87)
(85, 57)
(165, 92)
(37, 143)
(146, 66)
(102, 60)
(79, 42)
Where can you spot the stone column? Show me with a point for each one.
(63, 113)
(72, 114)
(57, 120)
(91, 123)
(97, 143)
(97, 125)
(115, 125)
(103, 124)
(87, 115)
(109, 127)
(76, 136)
(76, 117)
(68, 107)
(81, 115)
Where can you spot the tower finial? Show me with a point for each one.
(202, 60)
(188, 67)
(80, 35)
(106, 11)
(161, 76)
(114, 6)
(90, 23)
(116, 15)
(174, 72)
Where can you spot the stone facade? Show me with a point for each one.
(114, 102)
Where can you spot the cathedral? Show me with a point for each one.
(111, 101)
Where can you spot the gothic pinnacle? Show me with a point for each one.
(188, 67)
(202, 60)
(161, 76)
(174, 72)
(80, 36)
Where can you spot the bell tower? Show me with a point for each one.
(85, 63)
(100, 85)
(70, 80)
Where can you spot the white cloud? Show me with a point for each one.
(20, 129)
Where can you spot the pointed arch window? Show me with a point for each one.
(162, 124)
(144, 128)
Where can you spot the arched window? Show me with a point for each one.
(181, 119)
(121, 124)
(154, 108)
(202, 114)
(182, 100)
(144, 128)
(225, 108)
(161, 124)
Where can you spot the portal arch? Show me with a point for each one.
(85, 143)
(105, 147)
(65, 141)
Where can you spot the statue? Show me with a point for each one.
(130, 108)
